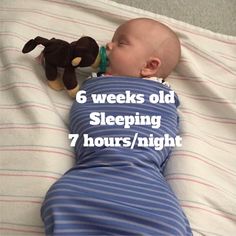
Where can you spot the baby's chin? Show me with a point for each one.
(111, 71)
(114, 71)
(108, 70)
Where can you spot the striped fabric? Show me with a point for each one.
(34, 146)
(117, 190)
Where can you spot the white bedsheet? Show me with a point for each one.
(34, 146)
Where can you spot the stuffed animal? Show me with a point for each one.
(59, 53)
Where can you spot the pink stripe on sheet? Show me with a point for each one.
(188, 134)
(12, 34)
(196, 51)
(60, 17)
(31, 171)
(205, 205)
(21, 85)
(39, 28)
(102, 42)
(22, 106)
(15, 66)
(222, 120)
(204, 79)
(205, 141)
(220, 138)
(30, 126)
(225, 39)
(205, 98)
(204, 159)
(35, 149)
(10, 49)
(21, 230)
(34, 176)
(22, 201)
(47, 30)
(190, 177)
(226, 56)
(208, 211)
(78, 5)
(15, 85)
(63, 106)
(189, 180)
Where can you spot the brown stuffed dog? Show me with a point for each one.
(59, 53)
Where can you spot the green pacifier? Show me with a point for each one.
(103, 62)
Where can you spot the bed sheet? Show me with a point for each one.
(34, 146)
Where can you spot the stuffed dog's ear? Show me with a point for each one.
(29, 46)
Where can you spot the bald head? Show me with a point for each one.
(163, 42)
(143, 47)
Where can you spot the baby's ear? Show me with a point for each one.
(152, 67)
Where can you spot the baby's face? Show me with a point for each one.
(127, 52)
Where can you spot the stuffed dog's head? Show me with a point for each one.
(84, 51)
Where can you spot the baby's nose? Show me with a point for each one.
(109, 46)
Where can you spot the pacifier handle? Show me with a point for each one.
(103, 62)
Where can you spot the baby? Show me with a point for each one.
(120, 189)
(143, 48)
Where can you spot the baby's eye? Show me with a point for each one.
(122, 42)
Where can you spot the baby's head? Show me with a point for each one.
(143, 47)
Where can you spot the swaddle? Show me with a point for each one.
(117, 188)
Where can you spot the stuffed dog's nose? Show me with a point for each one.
(76, 61)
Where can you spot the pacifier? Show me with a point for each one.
(101, 61)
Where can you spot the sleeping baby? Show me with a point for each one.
(118, 190)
